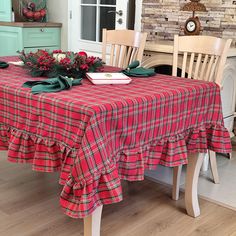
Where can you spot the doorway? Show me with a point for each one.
(87, 18)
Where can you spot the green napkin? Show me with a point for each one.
(3, 64)
(135, 71)
(52, 85)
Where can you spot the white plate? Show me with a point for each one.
(16, 63)
(108, 78)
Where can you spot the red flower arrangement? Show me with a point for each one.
(44, 63)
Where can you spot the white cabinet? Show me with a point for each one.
(228, 93)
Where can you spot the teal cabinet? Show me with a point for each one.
(5, 10)
(41, 37)
(15, 38)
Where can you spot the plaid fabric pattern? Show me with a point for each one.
(97, 135)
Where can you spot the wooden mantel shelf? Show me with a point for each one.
(30, 24)
(166, 46)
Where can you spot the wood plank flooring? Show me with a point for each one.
(29, 206)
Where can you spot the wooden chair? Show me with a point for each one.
(203, 58)
(122, 47)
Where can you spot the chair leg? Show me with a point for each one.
(176, 182)
(191, 197)
(214, 170)
(177, 174)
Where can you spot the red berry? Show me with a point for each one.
(83, 54)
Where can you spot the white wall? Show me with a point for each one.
(58, 12)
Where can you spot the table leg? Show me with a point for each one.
(92, 223)
(191, 198)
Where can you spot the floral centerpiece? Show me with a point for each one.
(44, 63)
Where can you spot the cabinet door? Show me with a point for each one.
(5, 10)
(228, 93)
(10, 40)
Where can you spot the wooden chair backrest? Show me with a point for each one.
(201, 57)
(125, 47)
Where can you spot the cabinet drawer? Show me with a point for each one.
(42, 36)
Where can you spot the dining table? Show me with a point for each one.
(98, 135)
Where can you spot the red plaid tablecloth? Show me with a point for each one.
(97, 135)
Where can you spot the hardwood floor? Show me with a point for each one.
(29, 206)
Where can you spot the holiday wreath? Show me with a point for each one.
(71, 64)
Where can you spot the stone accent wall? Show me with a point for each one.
(162, 19)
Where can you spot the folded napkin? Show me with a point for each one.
(135, 71)
(3, 64)
(52, 85)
